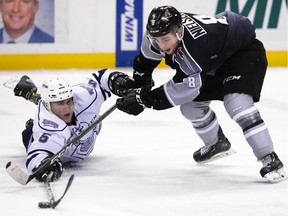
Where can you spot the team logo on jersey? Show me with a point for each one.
(192, 26)
(87, 142)
(52, 124)
(79, 128)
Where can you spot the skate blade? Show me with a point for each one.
(276, 176)
(219, 156)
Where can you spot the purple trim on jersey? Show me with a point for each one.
(35, 155)
(28, 161)
(40, 123)
(96, 95)
(101, 73)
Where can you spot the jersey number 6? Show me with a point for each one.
(44, 138)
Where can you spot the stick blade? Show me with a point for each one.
(65, 191)
(12, 82)
(17, 174)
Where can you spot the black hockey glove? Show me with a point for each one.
(142, 80)
(119, 83)
(26, 88)
(53, 172)
(135, 102)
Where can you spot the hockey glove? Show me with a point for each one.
(135, 102)
(142, 80)
(26, 88)
(119, 83)
(53, 172)
(142, 73)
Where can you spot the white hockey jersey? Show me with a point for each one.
(50, 133)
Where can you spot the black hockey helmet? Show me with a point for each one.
(162, 20)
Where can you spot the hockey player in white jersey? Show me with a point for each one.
(63, 111)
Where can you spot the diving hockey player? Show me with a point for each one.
(63, 111)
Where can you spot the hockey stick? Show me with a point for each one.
(50, 194)
(22, 178)
(11, 84)
(65, 191)
(52, 202)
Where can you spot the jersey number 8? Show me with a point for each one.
(210, 19)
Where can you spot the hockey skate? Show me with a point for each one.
(221, 149)
(272, 168)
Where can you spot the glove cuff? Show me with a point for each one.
(141, 98)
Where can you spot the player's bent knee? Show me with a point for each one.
(241, 109)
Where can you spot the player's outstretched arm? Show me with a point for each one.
(26, 88)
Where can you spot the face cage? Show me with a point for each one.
(175, 31)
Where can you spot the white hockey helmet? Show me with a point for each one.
(55, 90)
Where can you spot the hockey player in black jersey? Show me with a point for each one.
(215, 58)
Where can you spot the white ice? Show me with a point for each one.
(143, 166)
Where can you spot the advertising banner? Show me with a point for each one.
(129, 31)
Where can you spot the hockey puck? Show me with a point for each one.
(44, 205)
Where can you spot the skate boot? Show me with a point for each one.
(272, 168)
(209, 153)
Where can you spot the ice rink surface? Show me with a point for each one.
(143, 166)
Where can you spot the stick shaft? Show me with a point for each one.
(46, 180)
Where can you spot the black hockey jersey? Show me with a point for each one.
(207, 43)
